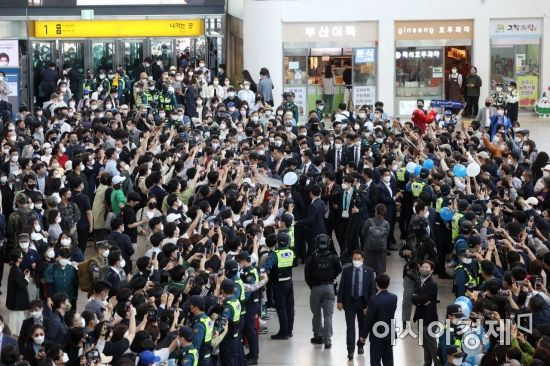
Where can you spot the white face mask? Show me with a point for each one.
(338, 146)
(467, 260)
(457, 361)
(106, 253)
(65, 242)
(50, 253)
(122, 263)
(63, 262)
(24, 245)
(357, 264)
(387, 178)
(39, 340)
(65, 358)
(82, 323)
(344, 186)
(36, 314)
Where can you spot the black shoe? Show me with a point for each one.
(350, 356)
(252, 361)
(316, 340)
(290, 335)
(360, 347)
(328, 345)
(388, 253)
(248, 356)
(279, 336)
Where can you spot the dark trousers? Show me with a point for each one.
(381, 352)
(270, 303)
(472, 106)
(300, 243)
(443, 244)
(512, 111)
(332, 226)
(283, 294)
(100, 234)
(82, 233)
(354, 312)
(250, 329)
(229, 351)
(341, 230)
(204, 362)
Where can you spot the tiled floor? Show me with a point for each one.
(299, 351)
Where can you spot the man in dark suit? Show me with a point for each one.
(337, 158)
(57, 330)
(356, 289)
(425, 300)
(349, 208)
(314, 223)
(331, 191)
(49, 80)
(353, 153)
(370, 191)
(121, 241)
(278, 164)
(380, 309)
(115, 274)
(145, 67)
(388, 195)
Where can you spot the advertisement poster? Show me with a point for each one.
(9, 53)
(364, 95)
(528, 90)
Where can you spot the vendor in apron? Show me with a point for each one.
(455, 88)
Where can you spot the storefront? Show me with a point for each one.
(516, 56)
(309, 47)
(425, 53)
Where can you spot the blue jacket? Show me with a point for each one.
(57, 329)
(381, 308)
(496, 121)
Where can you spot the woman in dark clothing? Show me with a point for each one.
(35, 352)
(248, 77)
(539, 163)
(17, 299)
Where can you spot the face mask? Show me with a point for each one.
(82, 323)
(50, 253)
(171, 89)
(427, 214)
(231, 94)
(3, 179)
(151, 88)
(424, 273)
(63, 262)
(215, 145)
(357, 264)
(394, 167)
(546, 173)
(65, 358)
(62, 149)
(457, 361)
(467, 260)
(14, 158)
(387, 178)
(37, 227)
(24, 245)
(317, 143)
(454, 71)
(36, 314)
(499, 89)
(122, 263)
(362, 115)
(526, 148)
(65, 242)
(326, 147)
(179, 78)
(288, 129)
(338, 146)
(500, 112)
(344, 186)
(379, 140)
(255, 119)
(12, 138)
(38, 340)
(199, 102)
(247, 87)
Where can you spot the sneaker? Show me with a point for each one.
(290, 335)
(316, 340)
(279, 336)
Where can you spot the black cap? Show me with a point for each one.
(243, 256)
(283, 239)
(455, 352)
(198, 301)
(231, 265)
(287, 218)
(186, 332)
(227, 286)
(466, 227)
(445, 189)
(456, 310)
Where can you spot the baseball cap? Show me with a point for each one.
(186, 332)
(455, 352)
(118, 179)
(148, 357)
(227, 286)
(455, 310)
(287, 218)
(243, 256)
(173, 217)
(283, 239)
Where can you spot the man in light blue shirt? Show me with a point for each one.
(112, 157)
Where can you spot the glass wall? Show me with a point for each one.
(419, 72)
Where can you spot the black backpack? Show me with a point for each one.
(322, 265)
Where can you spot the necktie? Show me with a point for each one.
(337, 159)
(356, 283)
(305, 169)
(356, 156)
(346, 201)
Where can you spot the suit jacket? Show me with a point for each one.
(370, 195)
(345, 289)
(8, 341)
(314, 223)
(425, 299)
(381, 308)
(280, 170)
(350, 156)
(331, 158)
(114, 279)
(330, 198)
(17, 298)
(57, 330)
(25, 330)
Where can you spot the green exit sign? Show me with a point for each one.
(87, 14)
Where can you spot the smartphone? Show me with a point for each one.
(538, 283)
(220, 250)
(154, 255)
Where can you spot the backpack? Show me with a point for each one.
(323, 270)
(24, 219)
(377, 237)
(84, 275)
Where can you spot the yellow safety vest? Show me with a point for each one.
(285, 258)
(207, 322)
(242, 296)
(236, 306)
(195, 354)
(417, 188)
(290, 233)
(455, 226)
(439, 204)
(471, 279)
(401, 174)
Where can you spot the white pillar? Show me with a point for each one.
(481, 55)
(386, 65)
(262, 42)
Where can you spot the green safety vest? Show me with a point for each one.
(207, 322)
(195, 354)
(235, 304)
(471, 279)
(290, 233)
(457, 342)
(242, 296)
(439, 204)
(455, 226)
(285, 258)
(417, 188)
(166, 102)
(401, 174)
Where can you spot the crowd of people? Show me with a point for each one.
(179, 206)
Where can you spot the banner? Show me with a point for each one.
(300, 98)
(440, 103)
(528, 90)
(364, 95)
(9, 53)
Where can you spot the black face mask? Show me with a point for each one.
(420, 106)
(152, 205)
(487, 104)
(31, 186)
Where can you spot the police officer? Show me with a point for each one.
(232, 273)
(250, 276)
(286, 225)
(466, 275)
(230, 316)
(103, 81)
(279, 266)
(167, 99)
(458, 218)
(151, 93)
(290, 106)
(420, 184)
(321, 270)
(417, 247)
(202, 327)
(187, 354)
(499, 97)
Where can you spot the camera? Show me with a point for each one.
(152, 315)
(504, 293)
(488, 314)
(93, 356)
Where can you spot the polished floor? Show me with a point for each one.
(298, 350)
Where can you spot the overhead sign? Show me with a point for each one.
(434, 29)
(515, 27)
(330, 31)
(119, 28)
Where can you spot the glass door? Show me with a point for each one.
(364, 76)
(163, 50)
(43, 53)
(72, 52)
(102, 56)
(132, 56)
(296, 76)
